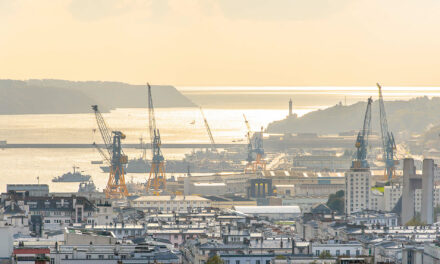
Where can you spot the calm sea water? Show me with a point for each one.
(175, 124)
(223, 106)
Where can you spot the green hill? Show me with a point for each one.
(62, 97)
(415, 115)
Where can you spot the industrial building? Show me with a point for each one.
(171, 203)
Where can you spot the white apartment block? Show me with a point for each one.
(377, 200)
(387, 200)
(358, 186)
(168, 203)
(418, 199)
(392, 195)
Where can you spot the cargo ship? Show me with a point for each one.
(74, 176)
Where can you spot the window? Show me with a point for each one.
(338, 252)
(347, 252)
(257, 262)
(88, 256)
(66, 257)
(110, 256)
(358, 252)
(101, 256)
(318, 252)
(52, 261)
(237, 262)
(47, 221)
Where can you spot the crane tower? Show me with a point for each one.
(360, 161)
(388, 143)
(114, 155)
(259, 151)
(156, 179)
(255, 147)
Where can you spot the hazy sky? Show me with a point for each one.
(223, 42)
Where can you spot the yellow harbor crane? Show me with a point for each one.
(113, 155)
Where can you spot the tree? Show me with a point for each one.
(336, 202)
(214, 260)
(415, 221)
(325, 255)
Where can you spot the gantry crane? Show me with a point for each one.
(114, 155)
(388, 143)
(156, 179)
(250, 157)
(259, 151)
(360, 162)
(256, 147)
(211, 138)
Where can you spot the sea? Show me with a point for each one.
(223, 107)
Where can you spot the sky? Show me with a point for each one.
(223, 42)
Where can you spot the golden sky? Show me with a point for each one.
(223, 42)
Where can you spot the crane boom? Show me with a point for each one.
(102, 153)
(383, 119)
(208, 129)
(151, 117)
(362, 140)
(104, 130)
(388, 143)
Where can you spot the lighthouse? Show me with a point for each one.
(290, 107)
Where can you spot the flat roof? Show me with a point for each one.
(219, 184)
(268, 209)
(170, 198)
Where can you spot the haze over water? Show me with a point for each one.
(223, 106)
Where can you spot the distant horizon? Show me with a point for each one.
(231, 87)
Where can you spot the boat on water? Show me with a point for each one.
(199, 162)
(75, 176)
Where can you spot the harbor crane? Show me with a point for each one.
(156, 179)
(259, 150)
(255, 147)
(208, 129)
(114, 155)
(388, 143)
(360, 162)
(250, 157)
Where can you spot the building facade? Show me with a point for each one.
(357, 194)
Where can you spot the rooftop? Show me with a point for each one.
(170, 198)
(268, 209)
